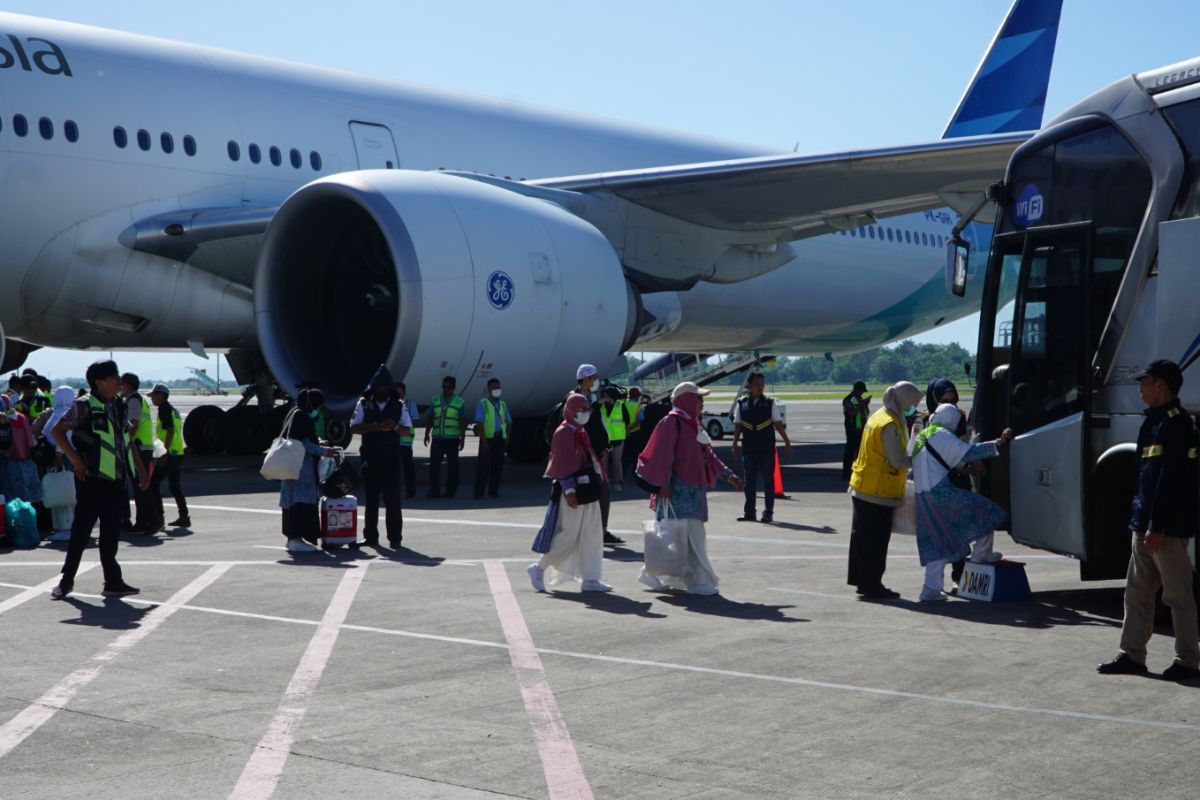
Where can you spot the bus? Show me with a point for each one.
(1093, 272)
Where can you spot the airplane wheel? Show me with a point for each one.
(525, 442)
(202, 430)
(715, 431)
(242, 431)
(337, 430)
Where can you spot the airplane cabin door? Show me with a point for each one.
(374, 146)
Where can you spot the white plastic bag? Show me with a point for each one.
(58, 489)
(904, 518)
(665, 543)
(286, 456)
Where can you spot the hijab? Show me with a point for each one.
(928, 471)
(570, 447)
(898, 399)
(936, 391)
(679, 445)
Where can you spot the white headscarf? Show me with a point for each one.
(928, 472)
(64, 396)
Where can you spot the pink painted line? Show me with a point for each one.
(24, 724)
(560, 762)
(261, 774)
(42, 589)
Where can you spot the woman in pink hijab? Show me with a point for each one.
(577, 547)
(680, 461)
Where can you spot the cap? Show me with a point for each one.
(161, 388)
(1165, 369)
(859, 386)
(585, 371)
(687, 387)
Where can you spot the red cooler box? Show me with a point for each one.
(339, 520)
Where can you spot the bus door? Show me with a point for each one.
(1048, 389)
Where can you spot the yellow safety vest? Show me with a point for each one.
(489, 418)
(872, 473)
(447, 417)
(176, 448)
(614, 422)
(96, 440)
(143, 434)
(632, 407)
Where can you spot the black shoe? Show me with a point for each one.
(1122, 665)
(368, 543)
(879, 593)
(61, 591)
(747, 518)
(395, 544)
(183, 522)
(767, 518)
(610, 540)
(494, 495)
(433, 495)
(129, 527)
(120, 590)
(1180, 672)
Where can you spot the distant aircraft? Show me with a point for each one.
(155, 194)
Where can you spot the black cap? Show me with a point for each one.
(1165, 369)
(859, 386)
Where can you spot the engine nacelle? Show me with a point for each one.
(436, 275)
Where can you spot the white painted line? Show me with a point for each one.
(33, 591)
(560, 762)
(24, 724)
(814, 594)
(261, 773)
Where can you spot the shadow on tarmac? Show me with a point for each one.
(1085, 607)
(620, 553)
(720, 606)
(610, 603)
(112, 614)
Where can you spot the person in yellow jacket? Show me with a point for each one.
(446, 436)
(877, 483)
(148, 519)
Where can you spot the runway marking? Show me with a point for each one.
(807, 593)
(560, 762)
(261, 773)
(34, 591)
(24, 724)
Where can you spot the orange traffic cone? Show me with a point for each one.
(778, 477)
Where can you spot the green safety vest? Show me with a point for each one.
(143, 434)
(96, 440)
(632, 407)
(447, 417)
(614, 423)
(176, 448)
(489, 418)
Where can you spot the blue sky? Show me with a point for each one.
(806, 75)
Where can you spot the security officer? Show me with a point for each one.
(615, 416)
(100, 454)
(586, 378)
(170, 433)
(492, 423)
(381, 419)
(445, 425)
(406, 442)
(855, 410)
(756, 418)
(32, 403)
(141, 436)
(1164, 518)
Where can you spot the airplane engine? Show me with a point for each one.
(435, 275)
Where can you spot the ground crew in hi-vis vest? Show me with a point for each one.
(856, 407)
(617, 422)
(446, 435)
(101, 457)
(170, 433)
(756, 419)
(492, 424)
(141, 436)
(406, 441)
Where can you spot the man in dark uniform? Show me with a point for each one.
(1164, 518)
(855, 410)
(381, 419)
(101, 457)
(756, 419)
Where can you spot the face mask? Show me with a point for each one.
(908, 412)
(582, 417)
(496, 393)
(314, 414)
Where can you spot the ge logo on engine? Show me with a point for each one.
(500, 290)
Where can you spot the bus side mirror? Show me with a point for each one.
(957, 252)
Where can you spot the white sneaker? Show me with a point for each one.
(59, 536)
(536, 577)
(595, 586)
(654, 583)
(300, 546)
(990, 557)
(703, 589)
(933, 596)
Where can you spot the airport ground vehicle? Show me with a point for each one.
(1092, 274)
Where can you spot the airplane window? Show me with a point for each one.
(255, 153)
(314, 158)
(889, 235)
(168, 142)
(941, 242)
(907, 237)
(120, 138)
(20, 125)
(276, 156)
(189, 145)
(71, 130)
(143, 137)
(294, 155)
(924, 240)
(46, 128)
(235, 152)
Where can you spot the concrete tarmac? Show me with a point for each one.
(435, 671)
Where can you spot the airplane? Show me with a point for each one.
(314, 223)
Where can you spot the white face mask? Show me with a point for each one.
(582, 417)
(496, 393)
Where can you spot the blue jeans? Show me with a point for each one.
(752, 465)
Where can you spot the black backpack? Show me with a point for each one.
(553, 420)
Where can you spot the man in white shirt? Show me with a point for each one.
(381, 419)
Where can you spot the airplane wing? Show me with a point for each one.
(810, 195)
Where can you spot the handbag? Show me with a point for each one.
(21, 522)
(545, 534)
(665, 543)
(343, 480)
(58, 489)
(904, 516)
(285, 458)
(587, 485)
(42, 452)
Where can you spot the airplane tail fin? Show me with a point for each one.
(1008, 91)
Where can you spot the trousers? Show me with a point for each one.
(381, 476)
(169, 468)
(489, 466)
(443, 450)
(1171, 569)
(870, 532)
(753, 465)
(409, 469)
(850, 453)
(614, 463)
(96, 499)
